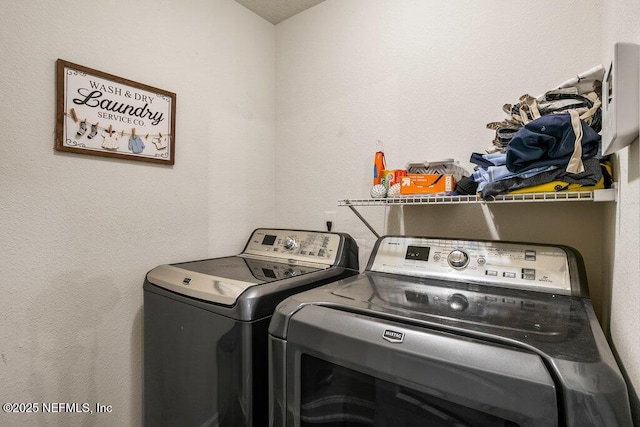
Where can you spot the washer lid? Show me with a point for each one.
(557, 325)
(223, 280)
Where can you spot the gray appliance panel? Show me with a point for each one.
(244, 269)
(572, 347)
(279, 257)
(557, 325)
(223, 280)
(509, 383)
(560, 329)
(201, 368)
(206, 358)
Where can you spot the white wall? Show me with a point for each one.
(79, 232)
(425, 77)
(621, 24)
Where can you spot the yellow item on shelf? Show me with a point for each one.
(556, 186)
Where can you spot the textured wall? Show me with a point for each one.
(424, 77)
(79, 232)
(621, 21)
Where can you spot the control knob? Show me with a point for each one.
(290, 243)
(288, 273)
(458, 259)
(457, 302)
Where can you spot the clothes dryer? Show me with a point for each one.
(205, 325)
(447, 332)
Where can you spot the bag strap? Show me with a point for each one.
(534, 110)
(593, 97)
(575, 162)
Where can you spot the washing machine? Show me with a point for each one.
(206, 325)
(447, 332)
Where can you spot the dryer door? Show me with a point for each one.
(347, 369)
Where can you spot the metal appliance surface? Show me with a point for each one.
(206, 325)
(447, 332)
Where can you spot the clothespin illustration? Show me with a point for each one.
(146, 136)
(73, 115)
(133, 133)
(110, 130)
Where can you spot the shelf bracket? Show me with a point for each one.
(606, 195)
(364, 221)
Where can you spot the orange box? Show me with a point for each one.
(418, 183)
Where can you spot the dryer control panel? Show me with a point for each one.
(511, 265)
(296, 245)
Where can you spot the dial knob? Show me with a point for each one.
(458, 259)
(289, 273)
(290, 243)
(457, 302)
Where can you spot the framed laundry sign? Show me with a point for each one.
(107, 115)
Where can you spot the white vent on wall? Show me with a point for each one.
(620, 98)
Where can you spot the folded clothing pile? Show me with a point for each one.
(555, 152)
(548, 143)
(580, 94)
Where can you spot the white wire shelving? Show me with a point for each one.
(604, 195)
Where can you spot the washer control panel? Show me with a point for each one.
(296, 245)
(512, 265)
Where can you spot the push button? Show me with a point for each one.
(529, 273)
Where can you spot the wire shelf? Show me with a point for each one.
(604, 195)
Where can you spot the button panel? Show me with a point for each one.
(304, 246)
(513, 265)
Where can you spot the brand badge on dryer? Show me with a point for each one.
(393, 336)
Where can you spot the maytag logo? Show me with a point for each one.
(393, 336)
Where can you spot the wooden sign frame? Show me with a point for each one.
(105, 115)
